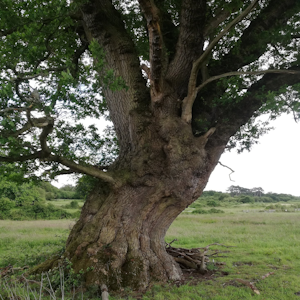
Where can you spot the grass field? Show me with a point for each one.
(263, 243)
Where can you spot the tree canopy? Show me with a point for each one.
(54, 72)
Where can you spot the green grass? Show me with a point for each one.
(263, 243)
(30, 242)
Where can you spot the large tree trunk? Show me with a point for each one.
(162, 167)
(122, 228)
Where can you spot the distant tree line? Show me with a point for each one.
(245, 195)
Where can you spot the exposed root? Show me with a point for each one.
(195, 258)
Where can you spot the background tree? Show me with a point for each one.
(182, 80)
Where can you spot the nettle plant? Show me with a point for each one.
(181, 81)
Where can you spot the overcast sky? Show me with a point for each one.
(273, 164)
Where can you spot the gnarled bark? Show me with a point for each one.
(121, 229)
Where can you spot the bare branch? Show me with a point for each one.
(232, 171)
(192, 92)
(88, 169)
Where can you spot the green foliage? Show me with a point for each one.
(39, 41)
(6, 204)
(209, 211)
(212, 203)
(73, 205)
(26, 193)
(85, 185)
(36, 211)
(27, 201)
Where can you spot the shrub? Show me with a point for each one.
(212, 203)
(215, 211)
(73, 204)
(210, 211)
(6, 204)
(199, 211)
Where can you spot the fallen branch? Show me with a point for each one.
(249, 284)
(267, 275)
(195, 258)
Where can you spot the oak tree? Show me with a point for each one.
(181, 81)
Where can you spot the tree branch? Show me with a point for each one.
(21, 158)
(104, 24)
(189, 44)
(216, 21)
(251, 47)
(88, 170)
(231, 119)
(238, 73)
(189, 101)
(227, 168)
(157, 56)
(192, 91)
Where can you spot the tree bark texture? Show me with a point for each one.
(122, 228)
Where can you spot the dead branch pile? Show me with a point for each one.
(195, 258)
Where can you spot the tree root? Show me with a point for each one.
(195, 258)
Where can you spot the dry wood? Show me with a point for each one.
(249, 284)
(195, 258)
(267, 275)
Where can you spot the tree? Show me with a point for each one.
(182, 80)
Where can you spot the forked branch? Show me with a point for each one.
(192, 91)
(189, 101)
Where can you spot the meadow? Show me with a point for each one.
(264, 244)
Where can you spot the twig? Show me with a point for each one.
(267, 275)
(249, 284)
(232, 171)
(169, 244)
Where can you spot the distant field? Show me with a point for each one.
(263, 243)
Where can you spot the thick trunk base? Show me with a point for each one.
(123, 243)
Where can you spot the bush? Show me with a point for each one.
(73, 204)
(37, 211)
(215, 211)
(210, 211)
(212, 203)
(199, 211)
(246, 199)
(6, 204)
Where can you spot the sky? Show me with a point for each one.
(273, 164)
